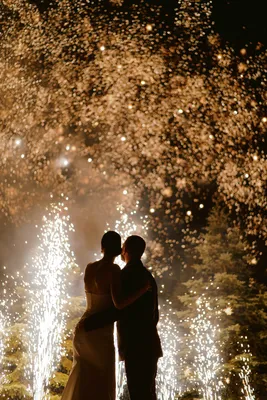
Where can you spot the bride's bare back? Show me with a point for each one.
(98, 276)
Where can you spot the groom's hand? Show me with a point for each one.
(85, 324)
(88, 323)
(101, 319)
(80, 325)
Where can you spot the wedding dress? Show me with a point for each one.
(93, 373)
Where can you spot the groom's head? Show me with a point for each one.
(133, 248)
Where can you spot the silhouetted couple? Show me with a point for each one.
(130, 297)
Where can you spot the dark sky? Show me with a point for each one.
(239, 22)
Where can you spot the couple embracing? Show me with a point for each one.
(130, 297)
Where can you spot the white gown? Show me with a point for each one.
(93, 373)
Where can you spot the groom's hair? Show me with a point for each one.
(135, 246)
(111, 243)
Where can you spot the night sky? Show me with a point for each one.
(238, 22)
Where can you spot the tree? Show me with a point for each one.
(14, 382)
(223, 271)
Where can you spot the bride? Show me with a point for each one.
(93, 372)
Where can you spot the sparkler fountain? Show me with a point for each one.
(167, 379)
(47, 298)
(205, 344)
(245, 371)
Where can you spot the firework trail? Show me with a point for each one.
(205, 344)
(245, 372)
(167, 377)
(47, 298)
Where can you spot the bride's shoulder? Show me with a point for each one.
(90, 266)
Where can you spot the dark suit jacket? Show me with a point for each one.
(137, 323)
(137, 327)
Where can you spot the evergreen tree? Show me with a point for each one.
(14, 382)
(223, 270)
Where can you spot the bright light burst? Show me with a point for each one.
(167, 378)
(48, 273)
(205, 343)
(245, 371)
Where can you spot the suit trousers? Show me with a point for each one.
(141, 374)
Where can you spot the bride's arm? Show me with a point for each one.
(104, 318)
(120, 299)
(101, 319)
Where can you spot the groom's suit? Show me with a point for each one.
(138, 340)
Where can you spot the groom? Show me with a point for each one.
(138, 340)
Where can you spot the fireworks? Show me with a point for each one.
(205, 344)
(168, 369)
(245, 372)
(119, 109)
(80, 88)
(48, 297)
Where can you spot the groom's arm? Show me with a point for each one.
(101, 319)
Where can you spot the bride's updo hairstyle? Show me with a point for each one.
(111, 244)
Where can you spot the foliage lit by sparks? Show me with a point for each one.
(2, 340)
(167, 378)
(245, 371)
(47, 297)
(207, 352)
